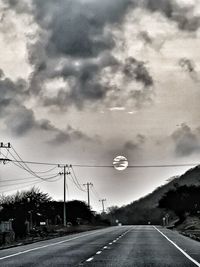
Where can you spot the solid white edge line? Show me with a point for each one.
(46, 246)
(180, 249)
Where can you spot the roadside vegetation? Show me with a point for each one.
(175, 205)
(34, 214)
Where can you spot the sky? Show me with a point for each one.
(84, 81)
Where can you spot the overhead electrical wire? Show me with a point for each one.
(18, 183)
(21, 187)
(29, 170)
(77, 186)
(25, 178)
(138, 166)
(48, 179)
(47, 170)
(106, 166)
(95, 192)
(76, 179)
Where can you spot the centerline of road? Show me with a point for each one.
(107, 247)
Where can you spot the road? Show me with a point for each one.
(122, 246)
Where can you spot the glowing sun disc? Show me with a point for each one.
(120, 163)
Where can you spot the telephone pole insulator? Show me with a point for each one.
(2, 145)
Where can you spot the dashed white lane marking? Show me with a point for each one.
(46, 246)
(90, 259)
(180, 249)
(106, 247)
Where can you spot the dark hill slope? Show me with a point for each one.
(146, 209)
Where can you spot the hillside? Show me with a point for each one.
(146, 209)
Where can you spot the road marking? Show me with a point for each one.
(180, 249)
(99, 252)
(46, 246)
(105, 247)
(90, 259)
(110, 243)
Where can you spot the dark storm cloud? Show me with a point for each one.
(181, 14)
(73, 31)
(68, 135)
(19, 119)
(22, 6)
(11, 92)
(76, 32)
(135, 144)
(186, 141)
(134, 69)
(62, 136)
(145, 37)
(148, 40)
(83, 79)
(188, 66)
(77, 35)
(76, 27)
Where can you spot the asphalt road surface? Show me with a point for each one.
(122, 246)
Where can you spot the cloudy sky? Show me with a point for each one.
(82, 81)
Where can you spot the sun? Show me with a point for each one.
(120, 163)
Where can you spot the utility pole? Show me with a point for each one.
(64, 202)
(2, 145)
(102, 202)
(88, 192)
(7, 146)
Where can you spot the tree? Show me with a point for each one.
(182, 200)
(22, 206)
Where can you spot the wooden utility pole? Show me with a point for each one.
(7, 146)
(88, 192)
(103, 207)
(64, 201)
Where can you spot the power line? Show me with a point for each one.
(74, 182)
(18, 183)
(37, 163)
(75, 179)
(108, 166)
(138, 166)
(35, 175)
(25, 178)
(47, 170)
(95, 193)
(26, 168)
(21, 187)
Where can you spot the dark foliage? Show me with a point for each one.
(182, 200)
(34, 206)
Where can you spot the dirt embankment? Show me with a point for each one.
(190, 227)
